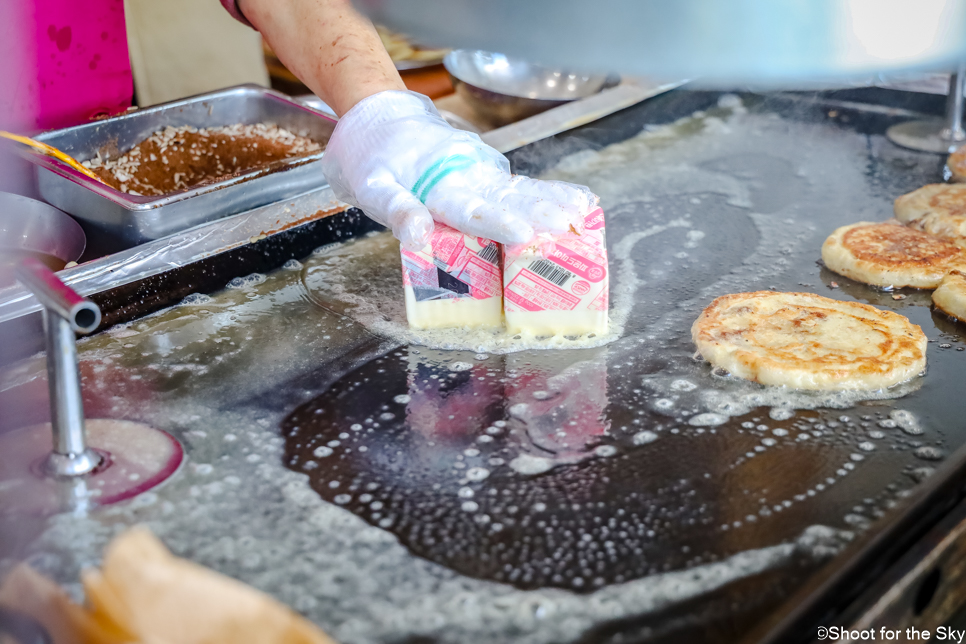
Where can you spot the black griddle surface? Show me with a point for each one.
(694, 496)
(651, 527)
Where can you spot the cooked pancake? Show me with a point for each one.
(950, 297)
(891, 255)
(938, 209)
(957, 164)
(807, 341)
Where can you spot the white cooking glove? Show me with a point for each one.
(393, 156)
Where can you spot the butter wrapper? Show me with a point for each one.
(560, 287)
(454, 281)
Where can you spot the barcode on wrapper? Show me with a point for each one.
(550, 271)
(490, 254)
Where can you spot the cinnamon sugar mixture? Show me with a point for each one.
(180, 158)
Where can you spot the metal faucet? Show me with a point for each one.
(65, 312)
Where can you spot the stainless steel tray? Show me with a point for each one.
(117, 220)
(180, 249)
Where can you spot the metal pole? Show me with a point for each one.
(64, 313)
(71, 456)
(934, 134)
(74, 494)
(953, 132)
(58, 298)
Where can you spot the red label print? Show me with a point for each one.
(447, 245)
(532, 293)
(580, 288)
(484, 278)
(417, 271)
(586, 268)
(600, 302)
(595, 220)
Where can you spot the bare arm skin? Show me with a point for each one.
(330, 47)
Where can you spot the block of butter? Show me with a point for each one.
(454, 281)
(561, 287)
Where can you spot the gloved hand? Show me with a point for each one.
(393, 156)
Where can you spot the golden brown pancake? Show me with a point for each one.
(807, 341)
(938, 209)
(950, 297)
(957, 164)
(886, 254)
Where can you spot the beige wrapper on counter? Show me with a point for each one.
(145, 594)
(560, 287)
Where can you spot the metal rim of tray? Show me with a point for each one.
(137, 202)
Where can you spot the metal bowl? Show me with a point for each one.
(781, 43)
(31, 228)
(504, 90)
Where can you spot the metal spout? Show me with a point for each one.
(65, 312)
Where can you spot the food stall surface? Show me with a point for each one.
(398, 492)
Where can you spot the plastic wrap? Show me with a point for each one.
(179, 249)
(395, 157)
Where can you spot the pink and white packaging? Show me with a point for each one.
(559, 287)
(454, 281)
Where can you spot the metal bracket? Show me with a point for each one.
(936, 135)
(65, 312)
(925, 589)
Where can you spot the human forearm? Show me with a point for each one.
(328, 46)
(391, 154)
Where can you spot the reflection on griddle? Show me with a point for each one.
(426, 443)
(948, 324)
(557, 401)
(896, 298)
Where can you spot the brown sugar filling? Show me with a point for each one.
(177, 159)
